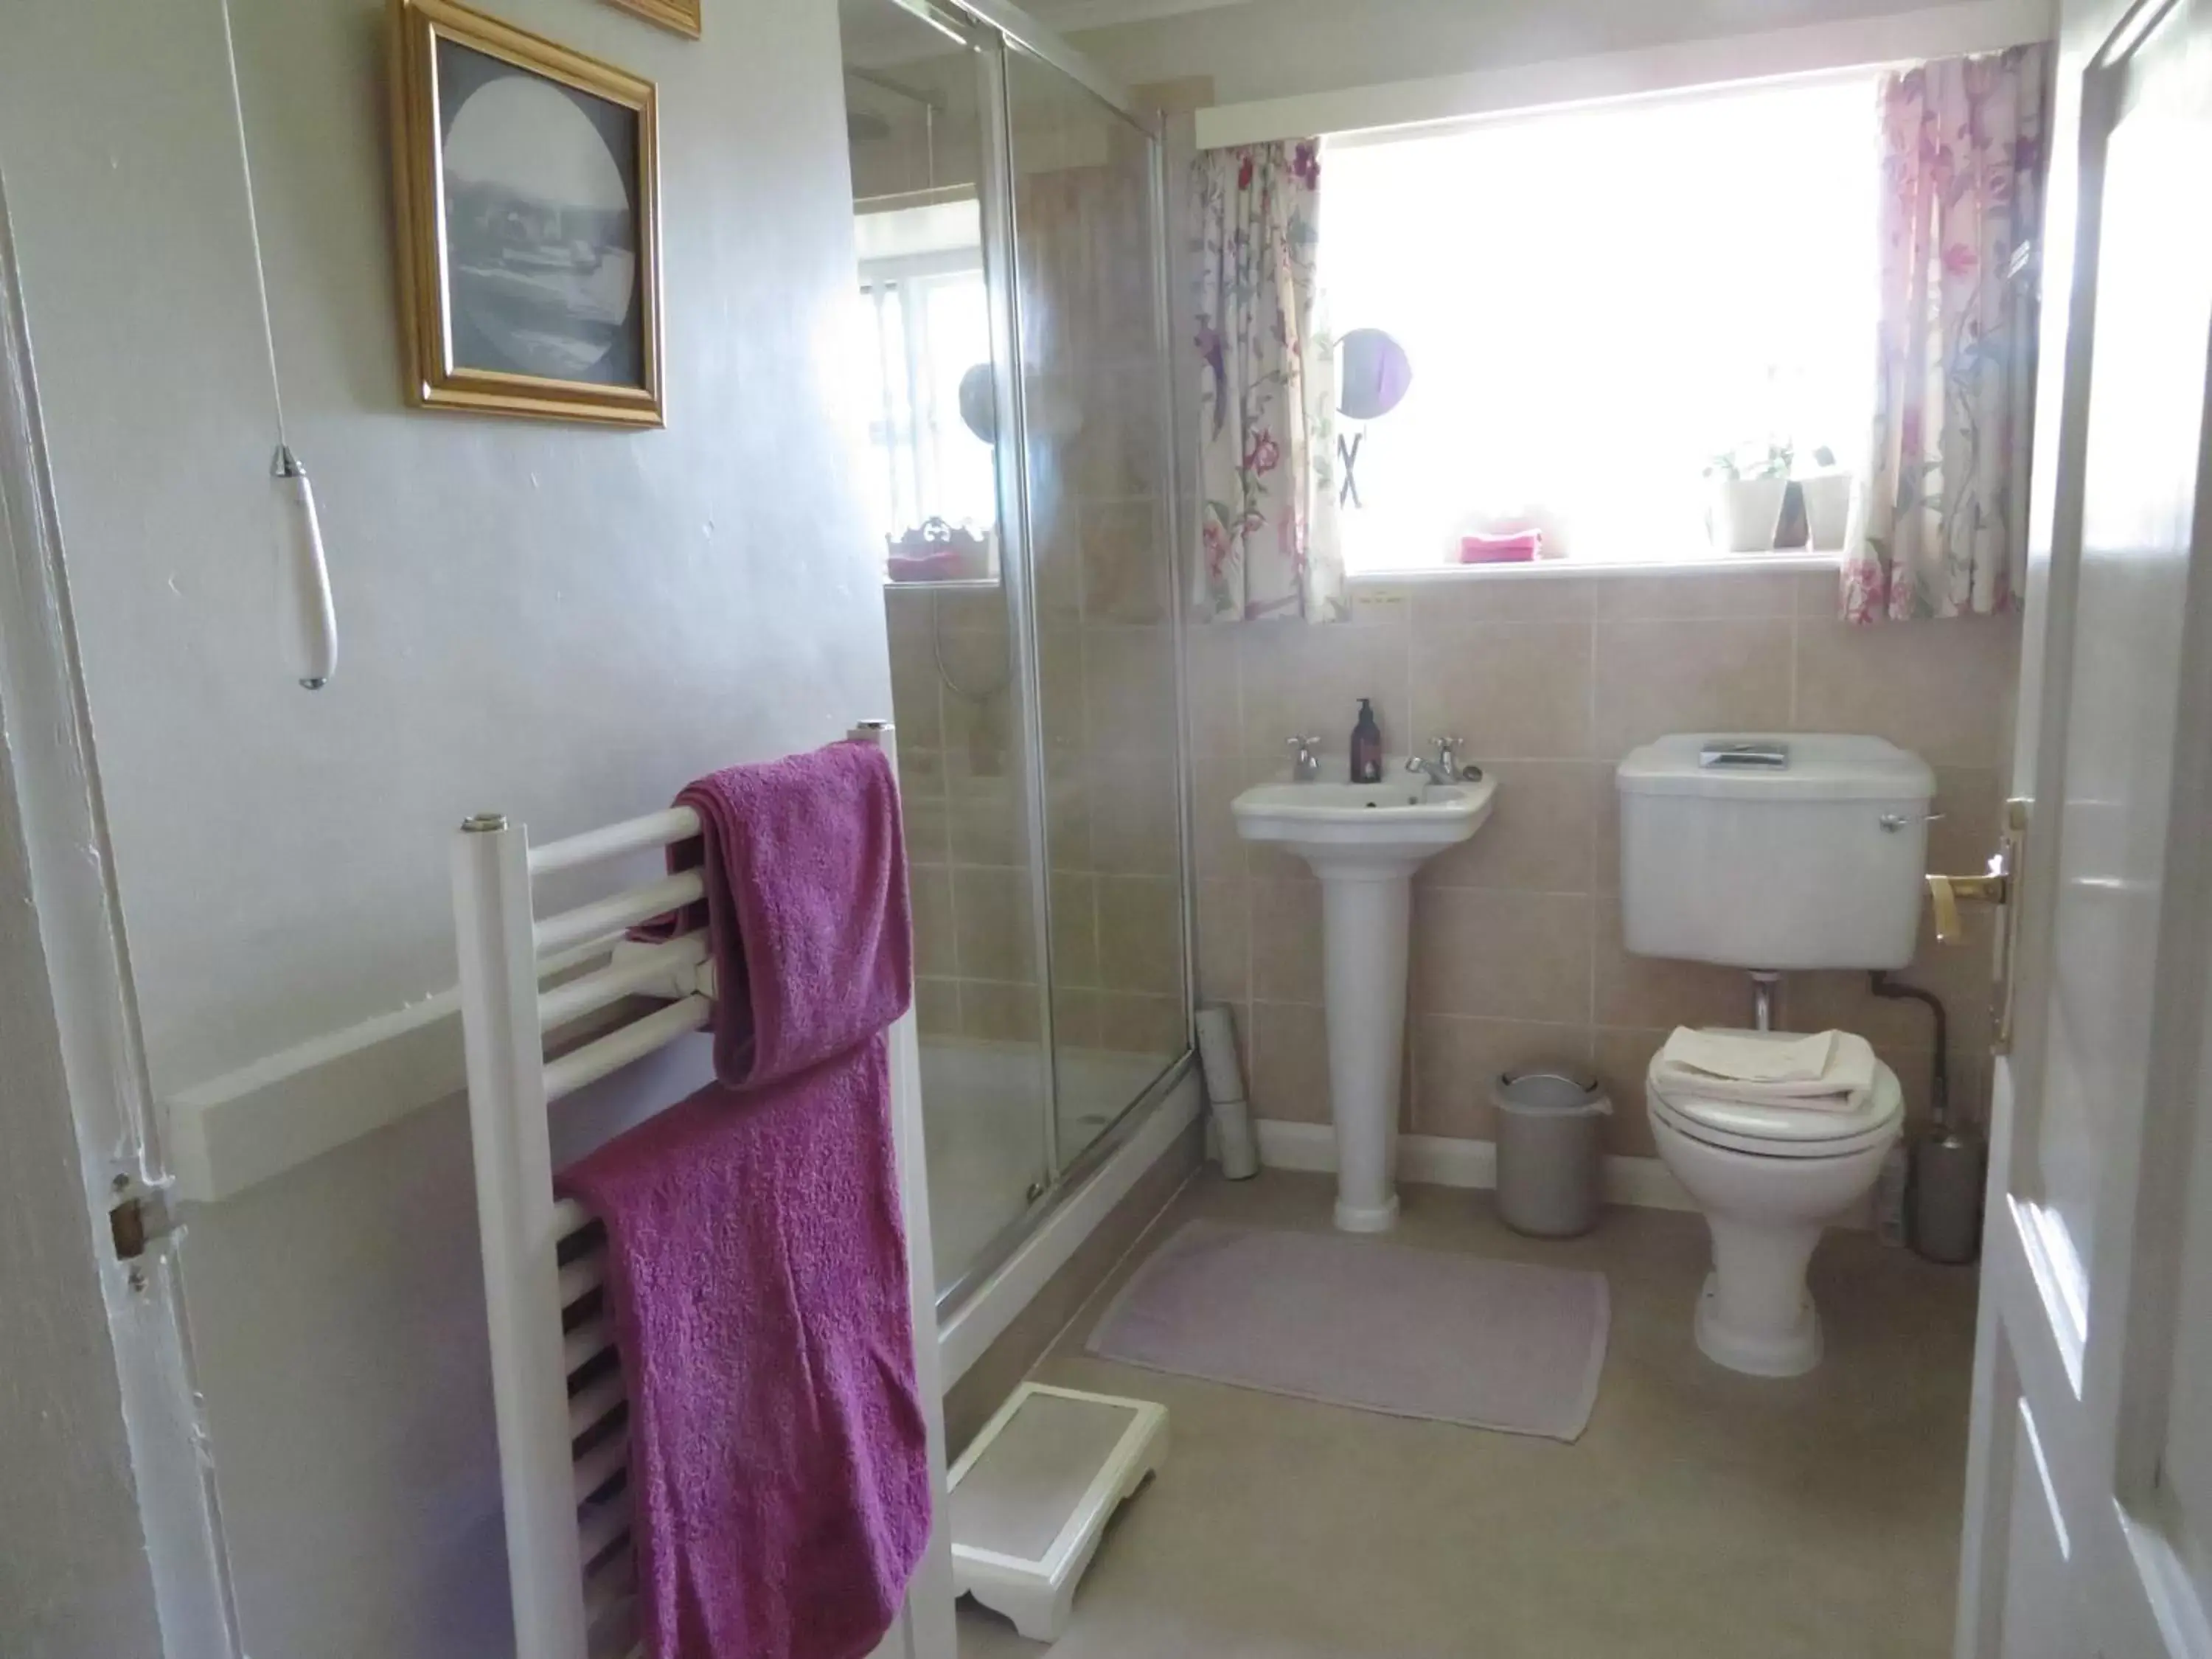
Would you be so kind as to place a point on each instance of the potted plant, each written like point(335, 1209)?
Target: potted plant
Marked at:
point(1744, 490)
point(1827, 495)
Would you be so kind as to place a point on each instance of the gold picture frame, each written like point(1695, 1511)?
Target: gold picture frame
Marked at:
point(679, 16)
point(526, 181)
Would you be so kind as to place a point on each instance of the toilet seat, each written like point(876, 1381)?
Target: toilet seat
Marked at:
point(1783, 1132)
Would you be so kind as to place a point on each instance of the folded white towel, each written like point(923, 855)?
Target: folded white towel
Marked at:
point(1829, 1071)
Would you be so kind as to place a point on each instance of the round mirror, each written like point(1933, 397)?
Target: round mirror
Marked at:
point(1373, 373)
point(979, 403)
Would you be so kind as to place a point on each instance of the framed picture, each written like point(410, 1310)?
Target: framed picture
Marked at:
point(681, 15)
point(529, 222)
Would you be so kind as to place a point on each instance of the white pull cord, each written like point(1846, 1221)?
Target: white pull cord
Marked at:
point(306, 616)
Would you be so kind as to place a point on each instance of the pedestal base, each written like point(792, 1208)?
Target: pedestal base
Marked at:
point(1366, 917)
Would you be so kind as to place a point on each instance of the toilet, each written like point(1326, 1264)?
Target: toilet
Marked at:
point(1771, 853)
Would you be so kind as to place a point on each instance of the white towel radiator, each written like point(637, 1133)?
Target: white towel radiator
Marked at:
point(563, 1451)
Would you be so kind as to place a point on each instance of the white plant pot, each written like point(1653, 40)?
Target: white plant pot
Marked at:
point(1741, 513)
point(1828, 509)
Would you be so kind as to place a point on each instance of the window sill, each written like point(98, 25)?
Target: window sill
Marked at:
point(1546, 569)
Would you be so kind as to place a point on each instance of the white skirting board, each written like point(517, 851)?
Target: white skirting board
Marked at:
point(1439, 1161)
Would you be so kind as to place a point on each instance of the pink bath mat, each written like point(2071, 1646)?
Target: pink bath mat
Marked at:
point(1352, 1321)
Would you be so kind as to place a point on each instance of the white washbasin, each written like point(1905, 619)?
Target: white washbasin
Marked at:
point(1365, 841)
point(1403, 820)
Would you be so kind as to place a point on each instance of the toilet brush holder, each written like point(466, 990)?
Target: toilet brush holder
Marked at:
point(1948, 1167)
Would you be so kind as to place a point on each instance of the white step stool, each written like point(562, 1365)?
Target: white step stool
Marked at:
point(1032, 1495)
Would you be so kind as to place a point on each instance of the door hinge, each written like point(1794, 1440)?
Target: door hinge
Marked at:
point(138, 1217)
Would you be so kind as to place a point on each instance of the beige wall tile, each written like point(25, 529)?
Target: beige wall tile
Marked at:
point(991, 1012)
point(1512, 691)
point(1441, 609)
point(1539, 836)
point(1286, 941)
point(1820, 594)
point(1075, 1018)
point(1136, 1024)
point(921, 769)
point(1300, 677)
point(993, 923)
point(1139, 931)
point(1074, 929)
point(1287, 1074)
point(930, 888)
point(1653, 678)
point(1124, 577)
point(1056, 543)
point(1456, 1062)
point(1128, 688)
point(1971, 801)
point(979, 737)
point(915, 690)
point(1067, 810)
point(1697, 594)
point(984, 817)
point(973, 611)
point(1134, 829)
point(1215, 782)
point(1605, 811)
point(908, 612)
point(1502, 955)
point(1385, 605)
point(1939, 688)
point(1659, 990)
point(1225, 939)
point(1061, 710)
point(922, 820)
point(1217, 720)
point(1621, 1058)
point(937, 1006)
point(1959, 974)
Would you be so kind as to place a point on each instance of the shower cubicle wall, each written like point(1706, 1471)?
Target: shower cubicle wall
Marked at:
point(1011, 284)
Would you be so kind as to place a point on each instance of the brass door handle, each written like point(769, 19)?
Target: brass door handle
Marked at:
point(1946, 893)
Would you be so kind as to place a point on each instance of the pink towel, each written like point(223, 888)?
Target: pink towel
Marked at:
point(806, 906)
point(756, 1264)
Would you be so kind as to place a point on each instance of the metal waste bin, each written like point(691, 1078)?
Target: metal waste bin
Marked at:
point(1550, 1127)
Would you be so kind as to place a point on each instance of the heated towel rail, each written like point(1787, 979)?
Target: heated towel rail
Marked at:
point(557, 1389)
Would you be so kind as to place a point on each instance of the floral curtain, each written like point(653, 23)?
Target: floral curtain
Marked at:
point(1940, 525)
point(1267, 507)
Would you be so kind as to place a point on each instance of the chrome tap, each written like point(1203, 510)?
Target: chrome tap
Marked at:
point(1445, 768)
point(1306, 766)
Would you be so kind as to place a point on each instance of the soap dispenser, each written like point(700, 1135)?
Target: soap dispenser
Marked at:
point(1366, 746)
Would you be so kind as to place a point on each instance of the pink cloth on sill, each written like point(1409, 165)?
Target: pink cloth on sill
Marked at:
point(1515, 547)
point(756, 1259)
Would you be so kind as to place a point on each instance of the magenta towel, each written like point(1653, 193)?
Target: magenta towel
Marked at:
point(756, 1262)
point(806, 906)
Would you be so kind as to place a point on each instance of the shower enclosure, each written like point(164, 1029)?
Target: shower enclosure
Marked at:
point(1008, 221)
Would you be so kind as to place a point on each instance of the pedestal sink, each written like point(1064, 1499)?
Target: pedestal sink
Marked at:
point(1365, 841)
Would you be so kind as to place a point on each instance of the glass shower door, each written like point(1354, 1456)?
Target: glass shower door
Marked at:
point(1094, 458)
point(920, 118)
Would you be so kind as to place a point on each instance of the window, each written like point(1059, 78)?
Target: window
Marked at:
point(928, 326)
point(1596, 303)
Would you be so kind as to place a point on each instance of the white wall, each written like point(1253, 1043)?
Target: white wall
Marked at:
point(559, 622)
point(1275, 48)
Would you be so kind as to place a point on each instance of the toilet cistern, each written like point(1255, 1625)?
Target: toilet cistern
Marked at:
point(1365, 841)
point(1771, 851)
